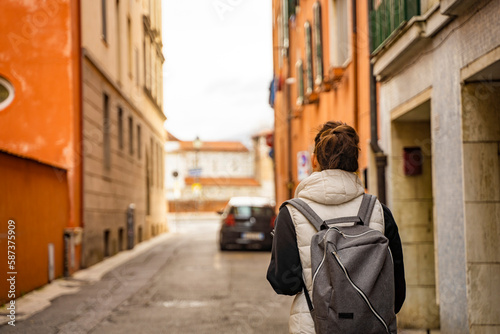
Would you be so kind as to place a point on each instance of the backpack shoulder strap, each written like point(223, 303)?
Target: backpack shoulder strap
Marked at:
point(306, 210)
point(366, 208)
point(363, 216)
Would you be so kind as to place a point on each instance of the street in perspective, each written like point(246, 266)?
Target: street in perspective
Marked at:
point(181, 284)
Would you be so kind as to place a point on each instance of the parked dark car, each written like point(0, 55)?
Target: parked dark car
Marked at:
point(247, 222)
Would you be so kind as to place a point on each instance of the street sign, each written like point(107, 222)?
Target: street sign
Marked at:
point(303, 165)
point(194, 172)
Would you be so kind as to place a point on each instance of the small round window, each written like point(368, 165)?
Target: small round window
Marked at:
point(6, 93)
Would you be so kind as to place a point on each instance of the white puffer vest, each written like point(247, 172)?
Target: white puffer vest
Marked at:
point(331, 193)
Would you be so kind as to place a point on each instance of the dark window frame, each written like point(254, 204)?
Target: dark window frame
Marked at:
point(130, 135)
point(104, 30)
point(106, 131)
point(120, 128)
point(139, 151)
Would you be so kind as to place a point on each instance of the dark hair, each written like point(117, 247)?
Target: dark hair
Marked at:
point(336, 147)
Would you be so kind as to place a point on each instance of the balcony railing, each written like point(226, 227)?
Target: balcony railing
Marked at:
point(388, 16)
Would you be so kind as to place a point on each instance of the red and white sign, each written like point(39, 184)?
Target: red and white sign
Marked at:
point(303, 165)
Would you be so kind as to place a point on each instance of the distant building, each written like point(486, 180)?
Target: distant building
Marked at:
point(264, 163)
point(81, 133)
point(203, 176)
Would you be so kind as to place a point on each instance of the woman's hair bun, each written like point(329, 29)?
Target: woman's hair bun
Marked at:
point(336, 147)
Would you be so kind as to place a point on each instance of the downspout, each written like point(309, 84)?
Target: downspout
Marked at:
point(355, 64)
point(380, 157)
point(290, 184)
point(80, 105)
point(80, 134)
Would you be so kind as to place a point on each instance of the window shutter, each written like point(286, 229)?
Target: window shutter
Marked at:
point(300, 82)
point(309, 71)
point(318, 45)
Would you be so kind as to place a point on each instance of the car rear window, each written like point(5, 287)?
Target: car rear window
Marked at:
point(251, 211)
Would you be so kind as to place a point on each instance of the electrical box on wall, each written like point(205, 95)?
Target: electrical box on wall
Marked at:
point(413, 161)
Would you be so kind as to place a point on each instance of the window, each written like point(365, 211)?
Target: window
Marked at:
point(137, 67)
point(340, 48)
point(130, 135)
point(6, 93)
point(280, 41)
point(152, 64)
point(118, 42)
point(152, 155)
point(103, 22)
point(120, 128)
point(106, 126)
point(309, 64)
point(318, 45)
point(120, 239)
point(285, 16)
point(157, 152)
point(106, 243)
point(162, 166)
point(129, 46)
point(300, 82)
point(139, 141)
point(147, 62)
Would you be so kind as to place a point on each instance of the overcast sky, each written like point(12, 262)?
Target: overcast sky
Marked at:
point(218, 65)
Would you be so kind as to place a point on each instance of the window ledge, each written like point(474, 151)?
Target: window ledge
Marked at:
point(406, 41)
point(333, 78)
point(311, 98)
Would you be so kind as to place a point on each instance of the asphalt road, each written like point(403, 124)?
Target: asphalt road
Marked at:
point(183, 285)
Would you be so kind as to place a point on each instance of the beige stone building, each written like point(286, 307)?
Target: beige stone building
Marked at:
point(123, 135)
point(437, 64)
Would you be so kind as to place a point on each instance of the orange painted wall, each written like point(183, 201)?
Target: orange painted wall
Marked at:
point(35, 197)
point(338, 103)
point(40, 56)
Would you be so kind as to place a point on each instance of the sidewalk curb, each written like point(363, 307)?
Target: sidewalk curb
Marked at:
point(39, 299)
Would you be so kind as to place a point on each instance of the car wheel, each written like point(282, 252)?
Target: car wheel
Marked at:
point(222, 247)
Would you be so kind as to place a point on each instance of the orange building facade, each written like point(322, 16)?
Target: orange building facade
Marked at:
point(321, 73)
point(81, 135)
point(40, 129)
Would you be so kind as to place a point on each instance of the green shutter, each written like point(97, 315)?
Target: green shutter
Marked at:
point(388, 17)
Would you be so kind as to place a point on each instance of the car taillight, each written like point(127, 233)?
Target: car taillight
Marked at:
point(273, 218)
point(229, 221)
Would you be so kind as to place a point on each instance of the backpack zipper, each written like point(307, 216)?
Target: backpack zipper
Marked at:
point(322, 260)
point(360, 291)
point(351, 235)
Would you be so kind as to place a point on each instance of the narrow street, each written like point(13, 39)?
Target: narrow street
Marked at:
point(182, 285)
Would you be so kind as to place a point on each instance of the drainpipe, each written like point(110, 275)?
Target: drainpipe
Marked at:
point(355, 63)
point(380, 157)
point(290, 184)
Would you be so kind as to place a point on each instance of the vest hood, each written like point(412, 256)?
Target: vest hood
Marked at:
point(330, 186)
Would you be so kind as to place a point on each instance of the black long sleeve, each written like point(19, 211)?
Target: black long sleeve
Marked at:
point(285, 270)
point(391, 232)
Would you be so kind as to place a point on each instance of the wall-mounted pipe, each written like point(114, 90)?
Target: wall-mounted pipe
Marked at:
point(380, 157)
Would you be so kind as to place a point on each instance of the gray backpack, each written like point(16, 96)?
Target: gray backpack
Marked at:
point(353, 274)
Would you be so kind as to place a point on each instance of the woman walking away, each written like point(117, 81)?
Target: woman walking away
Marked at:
point(333, 190)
